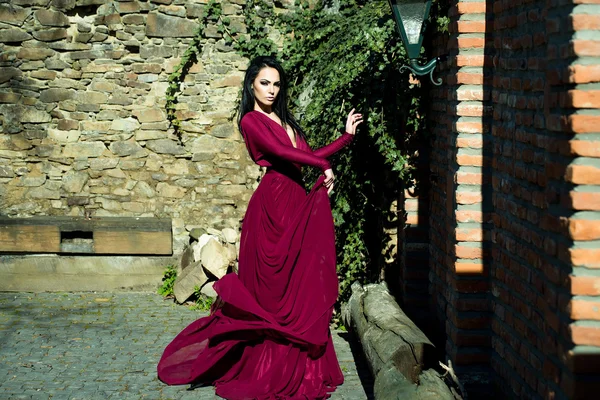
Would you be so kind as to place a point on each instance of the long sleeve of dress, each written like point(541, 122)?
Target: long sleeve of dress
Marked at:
point(335, 146)
point(260, 140)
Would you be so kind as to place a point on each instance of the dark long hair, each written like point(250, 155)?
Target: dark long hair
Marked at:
point(280, 106)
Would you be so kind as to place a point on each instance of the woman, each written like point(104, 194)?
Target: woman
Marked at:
point(270, 337)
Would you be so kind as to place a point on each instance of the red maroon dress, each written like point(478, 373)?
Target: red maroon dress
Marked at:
point(271, 338)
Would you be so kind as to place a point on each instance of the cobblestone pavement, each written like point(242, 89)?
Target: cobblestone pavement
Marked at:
point(106, 346)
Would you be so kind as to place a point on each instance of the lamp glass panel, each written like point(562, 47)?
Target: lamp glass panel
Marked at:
point(412, 14)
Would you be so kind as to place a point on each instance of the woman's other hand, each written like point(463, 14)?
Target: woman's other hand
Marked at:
point(354, 119)
point(329, 178)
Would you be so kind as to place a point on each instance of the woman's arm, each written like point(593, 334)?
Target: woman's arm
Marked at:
point(259, 138)
point(353, 120)
point(335, 146)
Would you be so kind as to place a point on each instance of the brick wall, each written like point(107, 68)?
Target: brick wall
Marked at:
point(515, 230)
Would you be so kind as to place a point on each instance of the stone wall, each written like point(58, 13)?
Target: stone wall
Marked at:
point(83, 126)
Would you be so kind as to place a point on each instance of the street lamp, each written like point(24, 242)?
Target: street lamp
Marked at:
point(409, 16)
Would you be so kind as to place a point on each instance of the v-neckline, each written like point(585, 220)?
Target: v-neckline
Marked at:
point(281, 127)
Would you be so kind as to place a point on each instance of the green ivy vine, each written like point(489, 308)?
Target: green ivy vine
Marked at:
point(339, 55)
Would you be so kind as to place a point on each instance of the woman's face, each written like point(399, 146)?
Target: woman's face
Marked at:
point(266, 87)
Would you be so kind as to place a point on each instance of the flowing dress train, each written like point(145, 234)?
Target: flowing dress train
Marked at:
point(270, 339)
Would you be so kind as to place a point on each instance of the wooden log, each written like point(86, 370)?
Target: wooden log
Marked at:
point(104, 235)
point(131, 242)
point(395, 348)
point(72, 224)
point(29, 239)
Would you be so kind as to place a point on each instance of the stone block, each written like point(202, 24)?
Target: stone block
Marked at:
point(150, 115)
point(35, 53)
point(9, 97)
point(73, 181)
point(56, 94)
point(14, 35)
point(103, 163)
point(44, 74)
point(149, 135)
point(169, 191)
point(15, 113)
point(6, 171)
point(157, 51)
point(230, 235)
point(215, 258)
point(160, 25)
point(143, 189)
point(176, 11)
point(84, 149)
point(56, 63)
point(179, 167)
point(126, 148)
point(13, 15)
point(229, 81)
point(128, 7)
point(7, 73)
point(223, 131)
point(190, 278)
point(133, 19)
point(51, 18)
point(165, 146)
point(63, 4)
point(43, 193)
point(125, 124)
point(50, 35)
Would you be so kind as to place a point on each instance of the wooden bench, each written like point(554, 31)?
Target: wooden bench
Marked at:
point(96, 235)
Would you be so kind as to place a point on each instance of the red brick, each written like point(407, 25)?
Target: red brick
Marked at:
point(583, 229)
point(582, 201)
point(469, 234)
point(471, 26)
point(585, 336)
point(584, 148)
point(469, 178)
point(583, 73)
point(580, 99)
point(471, 7)
point(469, 197)
point(583, 309)
point(411, 205)
point(469, 127)
point(470, 110)
point(584, 48)
point(573, 123)
point(585, 257)
point(581, 22)
point(469, 160)
point(583, 175)
point(412, 219)
point(584, 285)
point(468, 42)
point(469, 216)
point(480, 60)
point(464, 78)
point(470, 269)
point(474, 94)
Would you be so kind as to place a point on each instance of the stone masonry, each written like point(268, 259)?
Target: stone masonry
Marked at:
point(83, 130)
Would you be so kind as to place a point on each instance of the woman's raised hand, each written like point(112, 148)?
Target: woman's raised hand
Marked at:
point(354, 119)
point(329, 178)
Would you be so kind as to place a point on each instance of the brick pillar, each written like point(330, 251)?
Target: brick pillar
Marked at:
point(459, 281)
point(572, 113)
